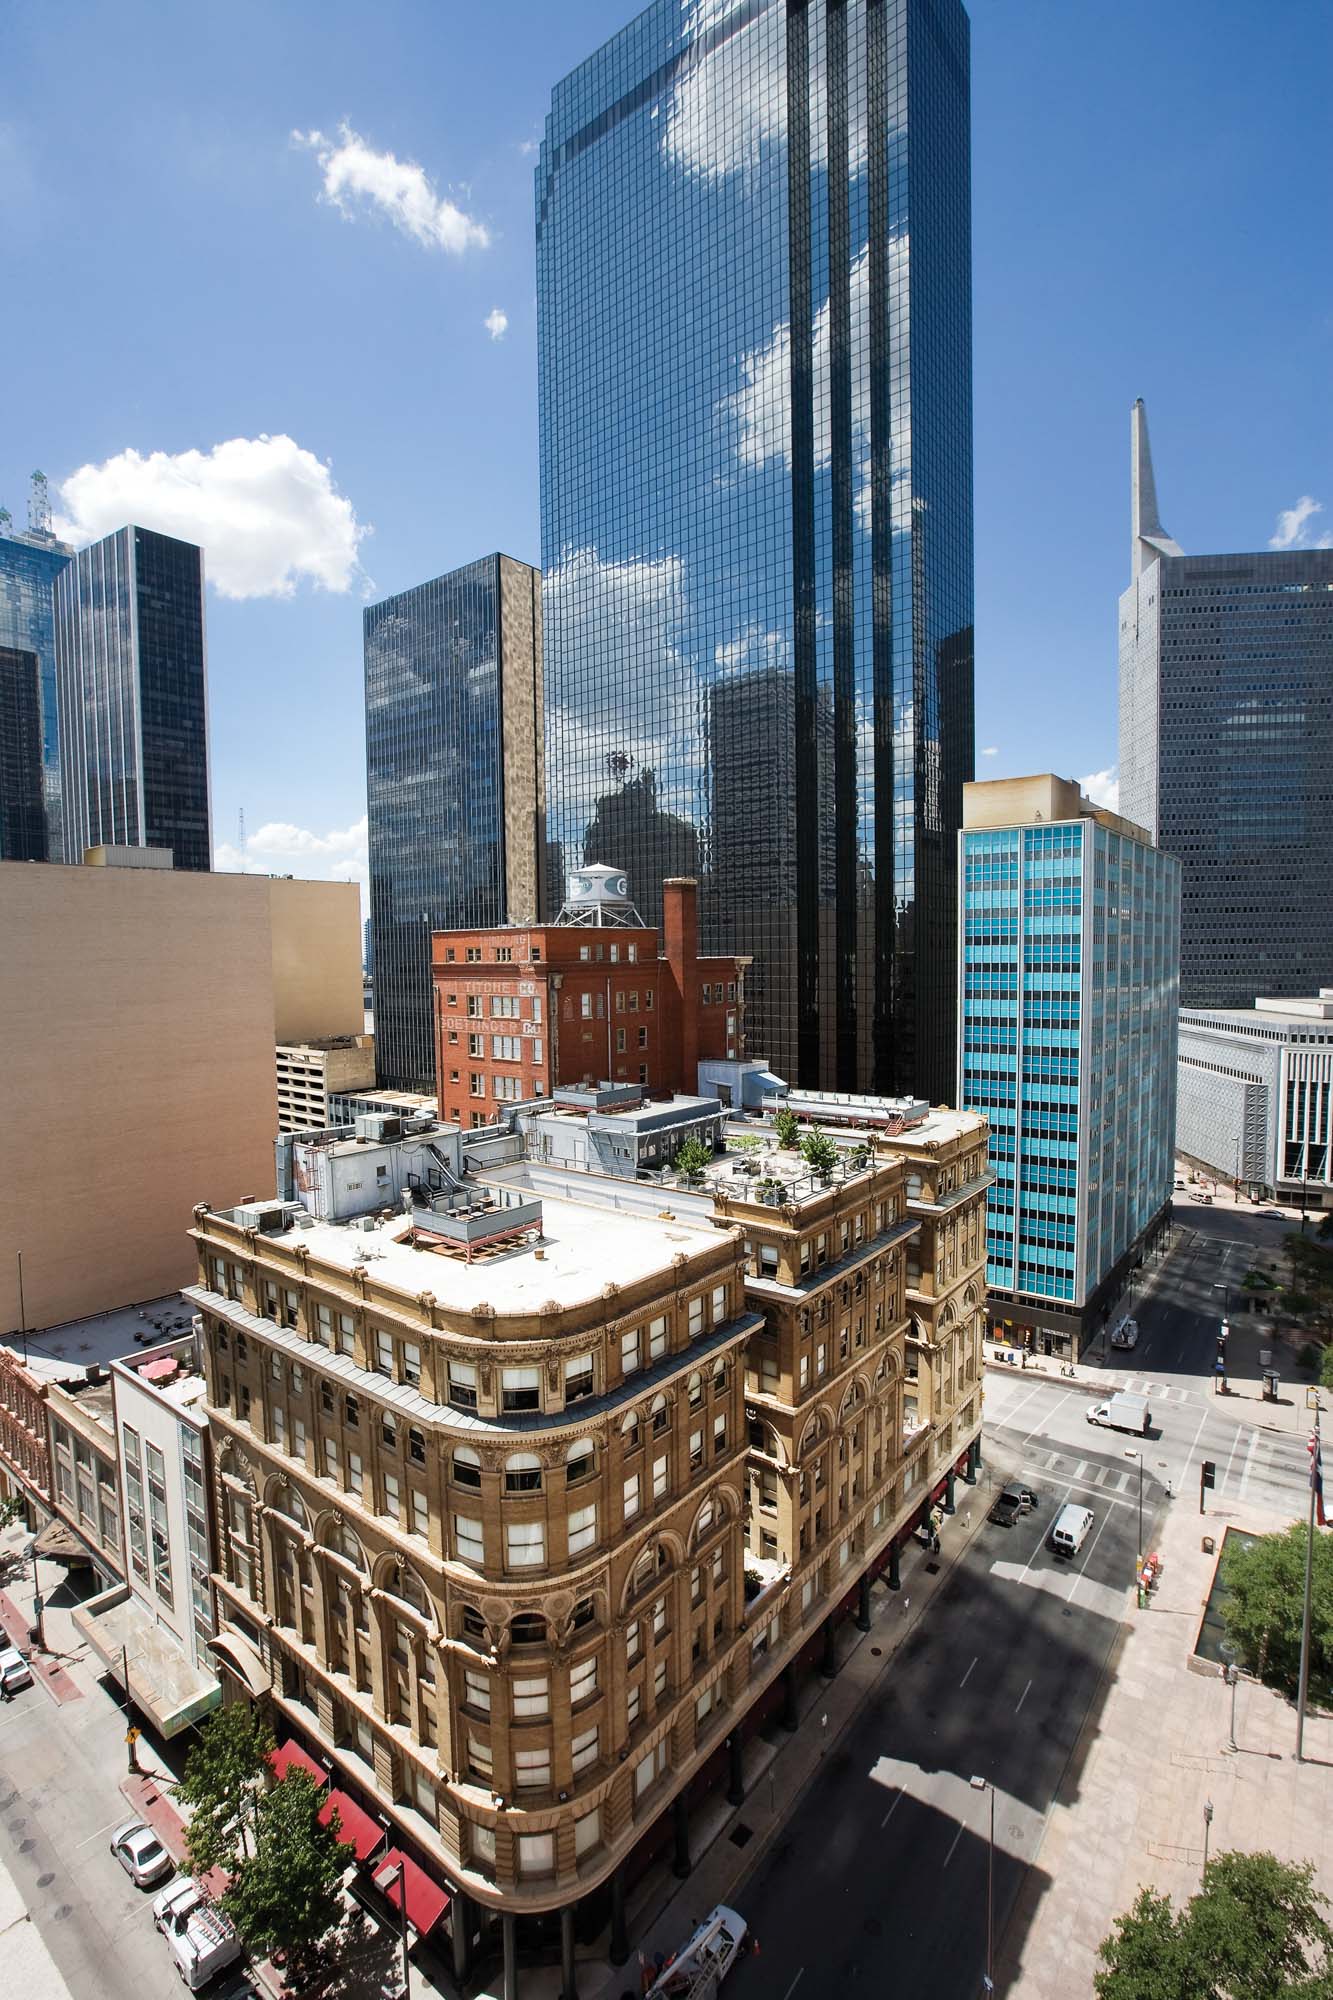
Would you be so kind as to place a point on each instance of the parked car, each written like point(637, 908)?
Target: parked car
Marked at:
point(1126, 1334)
point(15, 1673)
point(1013, 1503)
point(140, 1853)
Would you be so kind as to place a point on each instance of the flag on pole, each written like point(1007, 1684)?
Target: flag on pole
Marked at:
point(1317, 1477)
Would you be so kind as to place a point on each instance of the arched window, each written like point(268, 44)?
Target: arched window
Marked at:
point(659, 1413)
point(630, 1432)
point(289, 1502)
point(409, 1587)
point(707, 1515)
point(523, 1472)
point(345, 1542)
point(696, 1389)
point(580, 1458)
point(466, 1466)
point(527, 1628)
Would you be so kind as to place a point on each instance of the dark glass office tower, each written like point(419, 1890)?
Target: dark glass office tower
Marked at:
point(130, 667)
point(754, 302)
point(454, 783)
point(1226, 744)
point(29, 566)
point(22, 809)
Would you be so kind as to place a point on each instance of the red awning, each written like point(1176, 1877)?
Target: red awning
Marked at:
point(357, 1829)
point(290, 1753)
point(426, 1900)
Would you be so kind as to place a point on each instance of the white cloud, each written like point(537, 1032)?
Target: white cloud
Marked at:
point(281, 848)
point(356, 176)
point(1103, 788)
point(496, 323)
point(265, 512)
point(1292, 527)
point(991, 750)
point(527, 147)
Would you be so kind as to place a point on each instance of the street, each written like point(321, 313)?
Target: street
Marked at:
point(880, 1878)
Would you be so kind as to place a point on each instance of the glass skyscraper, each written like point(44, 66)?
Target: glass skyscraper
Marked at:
point(1069, 947)
point(130, 668)
point(22, 806)
point(1226, 744)
point(754, 345)
point(454, 783)
point(29, 566)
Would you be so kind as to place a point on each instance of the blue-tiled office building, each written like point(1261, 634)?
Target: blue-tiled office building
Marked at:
point(130, 668)
point(453, 783)
point(29, 566)
point(757, 501)
point(1069, 947)
point(1226, 744)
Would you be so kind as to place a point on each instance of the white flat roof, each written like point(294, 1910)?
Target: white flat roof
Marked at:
point(583, 1246)
point(59, 1352)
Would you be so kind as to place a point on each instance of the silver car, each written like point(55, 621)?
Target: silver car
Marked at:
point(140, 1853)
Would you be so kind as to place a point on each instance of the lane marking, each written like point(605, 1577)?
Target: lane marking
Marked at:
point(963, 1682)
point(1088, 1557)
point(1023, 1697)
point(1231, 1455)
point(795, 1983)
point(953, 1843)
point(891, 1811)
point(98, 1835)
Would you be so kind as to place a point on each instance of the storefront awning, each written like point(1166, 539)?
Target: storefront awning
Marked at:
point(61, 1544)
point(244, 1661)
point(356, 1829)
point(426, 1900)
point(290, 1753)
point(162, 1679)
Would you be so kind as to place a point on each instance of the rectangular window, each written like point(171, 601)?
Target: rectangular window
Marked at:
point(354, 1472)
point(532, 1768)
point(584, 1750)
point(468, 1543)
point(463, 1385)
point(578, 1377)
point(583, 1681)
point(582, 1529)
point(520, 1388)
point(633, 1702)
point(392, 1498)
point(696, 1316)
point(383, 1352)
point(536, 1852)
point(477, 1691)
point(657, 1337)
point(411, 1362)
point(532, 1697)
point(587, 1833)
point(631, 1501)
point(661, 1477)
point(632, 1643)
point(629, 1351)
point(585, 1004)
point(719, 1433)
point(620, 1041)
point(420, 1512)
point(719, 1304)
point(643, 1038)
point(525, 1544)
point(331, 1459)
point(650, 1769)
point(479, 1757)
point(659, 1618)
point(696, 1450)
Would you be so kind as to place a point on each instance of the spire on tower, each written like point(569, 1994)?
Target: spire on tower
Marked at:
point(1148, 538)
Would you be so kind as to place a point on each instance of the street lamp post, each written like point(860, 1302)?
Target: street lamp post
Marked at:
point(988, 1983)
point(1207, 1823)
point(400, 1874)
point(38, 1620)
point(1138, 1565)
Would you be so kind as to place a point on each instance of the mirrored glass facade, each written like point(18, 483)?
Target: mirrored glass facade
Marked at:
point(1226, 744)
point(28, 570)
point(130, 670)
point(754, 306)
point(22, 808)
point(453, 781)
point(1070, 941)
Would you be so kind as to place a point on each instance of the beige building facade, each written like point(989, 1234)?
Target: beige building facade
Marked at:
point(140, 1008)
point(310, 1073)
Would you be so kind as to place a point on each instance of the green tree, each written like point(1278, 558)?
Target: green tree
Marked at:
point(11, 1510)
point(692, 1156)
point(788, 1128)
point(1326, 1367)
point(1264, 1589)
point(1254, 1931)
point(226, 1775)
point(284, 1897)
point(1310, 1293)
point(820, 1153)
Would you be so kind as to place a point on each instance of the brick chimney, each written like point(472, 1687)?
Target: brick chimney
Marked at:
point(680, 929)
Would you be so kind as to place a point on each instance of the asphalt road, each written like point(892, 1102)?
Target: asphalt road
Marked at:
point(880, 1882)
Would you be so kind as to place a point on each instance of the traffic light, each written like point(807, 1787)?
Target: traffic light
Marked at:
point(1209, 1473)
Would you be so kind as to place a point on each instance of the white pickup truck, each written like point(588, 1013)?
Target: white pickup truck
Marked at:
point(200, 1938)
point(699, 1968)
point(1123, 1412)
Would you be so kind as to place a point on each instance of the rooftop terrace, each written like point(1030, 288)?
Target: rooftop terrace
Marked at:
point(64, 1353)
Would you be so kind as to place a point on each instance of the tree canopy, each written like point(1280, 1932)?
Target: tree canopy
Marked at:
point(1254, 1931)
point(225, 1775)
point(1264, 1591)
point(285, 1894)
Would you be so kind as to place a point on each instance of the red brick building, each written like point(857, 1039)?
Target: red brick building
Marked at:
point(593, 995)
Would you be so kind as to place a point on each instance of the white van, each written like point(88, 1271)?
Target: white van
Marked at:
point(1070, 1530)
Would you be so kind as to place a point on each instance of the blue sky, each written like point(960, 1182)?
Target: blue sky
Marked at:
point(1150, 218)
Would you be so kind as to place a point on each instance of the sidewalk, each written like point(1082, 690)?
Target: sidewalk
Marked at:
point(662, 1911)
point(1156, 1750)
